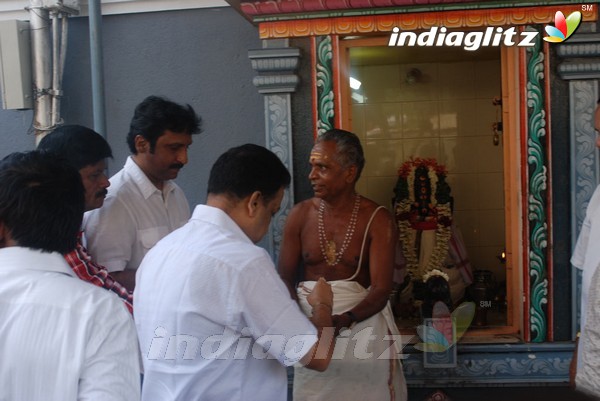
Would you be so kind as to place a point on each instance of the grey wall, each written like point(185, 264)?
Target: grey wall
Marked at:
point(193, 56)
point(16, 132)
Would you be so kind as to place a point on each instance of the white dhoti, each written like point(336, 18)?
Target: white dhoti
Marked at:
point(365, 363)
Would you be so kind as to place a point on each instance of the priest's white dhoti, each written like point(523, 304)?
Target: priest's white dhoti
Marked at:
point(366, 361)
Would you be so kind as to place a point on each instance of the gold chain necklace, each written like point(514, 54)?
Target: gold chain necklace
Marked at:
point(328, 248)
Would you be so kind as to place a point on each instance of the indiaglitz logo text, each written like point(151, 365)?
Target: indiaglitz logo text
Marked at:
point(471, 41)
point(492, 36)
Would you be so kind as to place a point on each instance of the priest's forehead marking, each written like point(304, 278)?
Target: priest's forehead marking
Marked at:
point(318, 155)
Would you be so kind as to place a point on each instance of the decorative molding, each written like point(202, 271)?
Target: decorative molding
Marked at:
point(581, 70)
point(258, 10)
point(262, 7)
point(537, 188)
point(276, 84)
point(523, 364)
point(277, 80)
point(278, 63)
point(325, 110)
point(308, 25)
point(582, 57)
point(275, 60)
point(579, 46)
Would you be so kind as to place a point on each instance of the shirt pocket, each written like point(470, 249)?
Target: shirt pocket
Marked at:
point(150, 236)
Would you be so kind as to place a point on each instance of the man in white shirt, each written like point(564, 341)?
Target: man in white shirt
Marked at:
point(87, 151)
point(143, 204)
point(214, 319)
point(61, 339)
point(586, 257)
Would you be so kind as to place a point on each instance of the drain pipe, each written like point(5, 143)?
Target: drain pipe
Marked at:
point(97, 66)
point(48, 53)
point(59, 52)
point(42, 77)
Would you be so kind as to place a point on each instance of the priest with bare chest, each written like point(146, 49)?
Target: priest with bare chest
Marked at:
point(350, 241)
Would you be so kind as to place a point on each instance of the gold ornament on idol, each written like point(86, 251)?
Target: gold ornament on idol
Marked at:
point(328, 248)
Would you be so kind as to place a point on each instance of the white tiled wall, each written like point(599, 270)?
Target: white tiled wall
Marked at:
point(447, 114)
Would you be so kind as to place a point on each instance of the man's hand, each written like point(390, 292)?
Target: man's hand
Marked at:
point(126, 278)
point(321, 294)
point(341, 323)
point(573, 366)
point(321, 301)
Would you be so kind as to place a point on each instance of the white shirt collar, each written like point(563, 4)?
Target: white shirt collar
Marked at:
point(142, 181)
point(16, 257)
point(218, 217)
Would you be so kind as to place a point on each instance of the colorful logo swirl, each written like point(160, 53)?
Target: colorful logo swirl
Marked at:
point(563, 27)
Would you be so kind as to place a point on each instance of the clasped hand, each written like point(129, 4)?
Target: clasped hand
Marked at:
point(321, 294)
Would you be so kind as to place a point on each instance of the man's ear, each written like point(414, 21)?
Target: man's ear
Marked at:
point(351, 174)
point(5, 238)
point(141, 144)
point(252, 203)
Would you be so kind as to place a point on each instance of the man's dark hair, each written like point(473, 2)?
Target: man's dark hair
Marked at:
point(41, 201)
point(349, 150)
point(155, 115)
point(79, 145)
point(244, 169)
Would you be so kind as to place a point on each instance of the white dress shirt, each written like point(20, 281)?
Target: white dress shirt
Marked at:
point(61, 338)
point(588, 367)
point(135, 215)
point(586, 257)
point(214, 319)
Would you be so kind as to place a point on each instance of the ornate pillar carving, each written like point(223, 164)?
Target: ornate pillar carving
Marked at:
point(324, 82)
point(537, 185)
point(581, 67)
point(276, 65)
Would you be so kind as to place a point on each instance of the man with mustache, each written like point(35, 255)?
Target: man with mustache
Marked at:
point(87, 151)
point(143, 203)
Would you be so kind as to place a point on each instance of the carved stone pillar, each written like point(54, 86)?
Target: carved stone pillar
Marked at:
point(581, 67)
point(276, 65)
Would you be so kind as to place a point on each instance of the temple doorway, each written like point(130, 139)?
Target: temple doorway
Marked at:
point(439, 109)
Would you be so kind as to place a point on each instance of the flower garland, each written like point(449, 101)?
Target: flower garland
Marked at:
point(434, 273)
point(422, 194)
